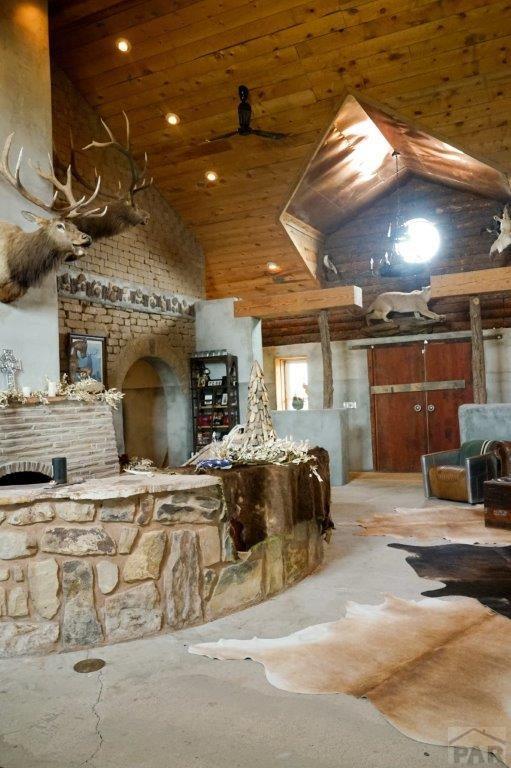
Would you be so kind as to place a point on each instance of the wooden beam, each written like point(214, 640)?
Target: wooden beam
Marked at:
point(326, 352)
point(480, 281)
point(299, 302)
point(478, 364)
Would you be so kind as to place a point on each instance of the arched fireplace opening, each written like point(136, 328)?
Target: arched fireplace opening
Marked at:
point(24, 478)
point(25, 473)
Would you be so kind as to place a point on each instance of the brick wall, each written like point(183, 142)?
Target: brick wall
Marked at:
point(162, 255)
point(82, 432)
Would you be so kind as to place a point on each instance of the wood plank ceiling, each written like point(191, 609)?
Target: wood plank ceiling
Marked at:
point(443, 64)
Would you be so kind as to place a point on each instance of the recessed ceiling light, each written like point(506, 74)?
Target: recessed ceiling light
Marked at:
point(211, 176)
point(172, 118)
point(123, 45)
point(273, 267)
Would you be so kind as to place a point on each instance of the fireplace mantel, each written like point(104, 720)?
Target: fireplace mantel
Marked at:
point(34, 401)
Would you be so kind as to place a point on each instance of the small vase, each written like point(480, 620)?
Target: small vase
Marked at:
point(297, 403)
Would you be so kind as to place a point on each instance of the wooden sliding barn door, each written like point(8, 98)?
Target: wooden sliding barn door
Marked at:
point(399, 427)
point(416, 390)
point(447, 361)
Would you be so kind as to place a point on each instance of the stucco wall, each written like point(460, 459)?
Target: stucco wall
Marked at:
point(29, 326)
point(350, 385)
point(217, 328)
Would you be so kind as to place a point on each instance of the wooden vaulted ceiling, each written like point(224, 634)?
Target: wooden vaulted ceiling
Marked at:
point(442, 64)
point(363, 155)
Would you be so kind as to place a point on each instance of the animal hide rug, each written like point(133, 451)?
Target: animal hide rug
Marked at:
point(437, 670)
point(480, 572)
point(464, 525)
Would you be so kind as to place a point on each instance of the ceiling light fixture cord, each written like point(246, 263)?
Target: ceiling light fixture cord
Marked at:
point(398, 195)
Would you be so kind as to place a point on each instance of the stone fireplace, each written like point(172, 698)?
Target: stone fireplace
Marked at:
point(34, 434)
point(126, 556)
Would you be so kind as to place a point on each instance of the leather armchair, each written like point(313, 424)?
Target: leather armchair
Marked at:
point(459, 475)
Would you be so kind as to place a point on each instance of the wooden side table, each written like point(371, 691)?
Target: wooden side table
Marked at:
point(497, 502)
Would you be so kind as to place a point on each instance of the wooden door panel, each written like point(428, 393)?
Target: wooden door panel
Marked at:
point(400, 431)
point(442, 416)
point(397, 365)
point(447, 361)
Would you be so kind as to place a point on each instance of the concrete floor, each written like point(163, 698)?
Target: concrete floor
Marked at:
point(156, 706)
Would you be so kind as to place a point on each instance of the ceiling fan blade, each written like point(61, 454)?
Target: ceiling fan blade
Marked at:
point(269, 134)
point(222, 136)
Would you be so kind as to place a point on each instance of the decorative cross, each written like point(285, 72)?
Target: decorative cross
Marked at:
point(9, 366)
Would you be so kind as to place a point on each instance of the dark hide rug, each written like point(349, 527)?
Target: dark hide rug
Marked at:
point(483, 573)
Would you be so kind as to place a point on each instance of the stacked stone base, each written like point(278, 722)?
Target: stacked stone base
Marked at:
point(123, 557)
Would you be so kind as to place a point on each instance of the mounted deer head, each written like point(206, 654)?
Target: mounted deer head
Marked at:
point(123, 212)
point(27, 257)
point(503, 241)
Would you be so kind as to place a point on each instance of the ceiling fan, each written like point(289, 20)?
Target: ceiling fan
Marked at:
point(244, 117)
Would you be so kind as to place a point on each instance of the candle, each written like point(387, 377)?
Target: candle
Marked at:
point(26, 391)
point(59, 465)
point(52, 388)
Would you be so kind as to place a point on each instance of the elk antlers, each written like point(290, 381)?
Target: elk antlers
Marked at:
point(71, 210)
point(138, 181)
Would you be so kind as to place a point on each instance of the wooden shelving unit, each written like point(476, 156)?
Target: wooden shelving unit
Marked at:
point(215, 397)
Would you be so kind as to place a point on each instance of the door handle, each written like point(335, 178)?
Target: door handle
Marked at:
point(417, 407)
point(431, 407)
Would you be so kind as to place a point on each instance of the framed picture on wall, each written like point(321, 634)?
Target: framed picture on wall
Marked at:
point(87, 357)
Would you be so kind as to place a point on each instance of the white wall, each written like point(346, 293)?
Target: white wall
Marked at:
point(351, 384)
point(30, 325)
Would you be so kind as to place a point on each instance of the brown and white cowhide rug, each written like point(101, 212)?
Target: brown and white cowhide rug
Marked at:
point(464, 525)
point(436, 669)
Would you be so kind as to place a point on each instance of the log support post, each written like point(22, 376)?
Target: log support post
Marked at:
point(326, 351)
point(478, 364)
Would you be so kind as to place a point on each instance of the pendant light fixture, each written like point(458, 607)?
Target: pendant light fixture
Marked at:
point(396, 232)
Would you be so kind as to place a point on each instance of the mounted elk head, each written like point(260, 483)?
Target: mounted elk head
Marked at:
point(123, 211)
point(27, 257)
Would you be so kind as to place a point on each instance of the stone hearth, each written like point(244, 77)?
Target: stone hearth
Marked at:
point(82, 432)
point(127, 556)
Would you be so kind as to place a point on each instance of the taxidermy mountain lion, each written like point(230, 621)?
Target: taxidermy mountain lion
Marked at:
point(395, 301)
